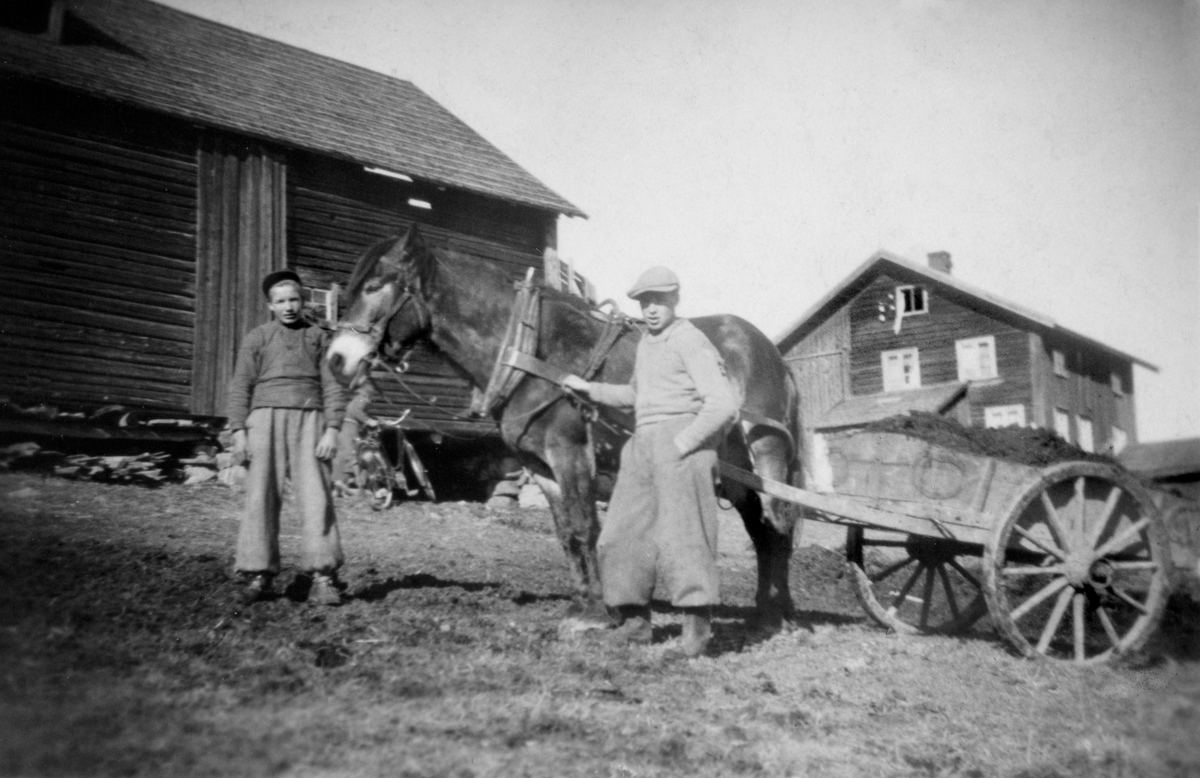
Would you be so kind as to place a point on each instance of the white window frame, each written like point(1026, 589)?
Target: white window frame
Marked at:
point(1086, 432)
point(1060, 363)
point(915, 294)
point(1118, 384)
point(1118, 440)
point(998, 416)
point(1062, 424)
point(971, 365)
point(908, 379)
point(324, 301)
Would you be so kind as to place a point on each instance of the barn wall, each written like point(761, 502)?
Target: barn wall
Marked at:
point(821, 365)
point(1087, 389)
point(336, 211)
point(934, 334)
point(242, 191)
point(97, 252)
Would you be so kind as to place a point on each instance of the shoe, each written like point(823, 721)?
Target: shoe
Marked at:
point(258, 588)
point(324, 590)
point(635, 626)
point(697, 632)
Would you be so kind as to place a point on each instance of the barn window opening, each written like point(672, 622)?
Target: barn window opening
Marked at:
point(911, 299)
point(976, 358)
point(415, 203)
point(1060, 362)
point(1118, 384)
point(1086, 441)
point(999, 416)
point(901, 369)
point(1062, 424)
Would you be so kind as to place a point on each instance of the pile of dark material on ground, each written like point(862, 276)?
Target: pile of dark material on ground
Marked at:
point(1024, 445)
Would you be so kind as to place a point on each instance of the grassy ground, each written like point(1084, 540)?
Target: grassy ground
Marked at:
point(124, 653)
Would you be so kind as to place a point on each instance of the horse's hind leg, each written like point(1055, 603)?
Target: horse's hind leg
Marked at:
point(770, 527)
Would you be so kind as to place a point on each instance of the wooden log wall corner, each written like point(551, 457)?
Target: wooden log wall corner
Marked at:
point(241, 236)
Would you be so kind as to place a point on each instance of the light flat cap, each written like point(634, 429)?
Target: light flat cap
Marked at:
point(656, 279)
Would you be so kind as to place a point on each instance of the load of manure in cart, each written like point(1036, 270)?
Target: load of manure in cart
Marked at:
point(1024, 445)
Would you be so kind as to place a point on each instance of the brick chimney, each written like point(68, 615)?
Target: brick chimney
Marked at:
point(940, 261)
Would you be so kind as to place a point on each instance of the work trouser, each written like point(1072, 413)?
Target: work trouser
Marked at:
point(282, 442)
point(662, 522)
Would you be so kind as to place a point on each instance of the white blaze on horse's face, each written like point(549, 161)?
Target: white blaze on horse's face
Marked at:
point(355, 340)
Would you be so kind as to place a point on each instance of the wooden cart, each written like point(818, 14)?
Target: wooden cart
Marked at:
point(1070, 560)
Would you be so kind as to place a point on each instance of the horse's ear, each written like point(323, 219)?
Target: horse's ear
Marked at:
point(414, 241)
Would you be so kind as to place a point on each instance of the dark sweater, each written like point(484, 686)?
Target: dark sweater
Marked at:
point(284, 367)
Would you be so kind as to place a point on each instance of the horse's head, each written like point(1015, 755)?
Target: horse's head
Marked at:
point(388, 295)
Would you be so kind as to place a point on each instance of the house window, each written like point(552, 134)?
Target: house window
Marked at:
point(976, 358)
point(323, 303)
point(1062, 424)
point(1086, 441)
point(1119, 440)
point(1060, 363)
point(996, 416)
point(901, 369)
point(1118, 384)
point(911, 299)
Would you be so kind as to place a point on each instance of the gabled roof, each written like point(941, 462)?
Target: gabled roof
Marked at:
point(854, 411)
point(154, 57)
point(1163, 459)
point(886, 263)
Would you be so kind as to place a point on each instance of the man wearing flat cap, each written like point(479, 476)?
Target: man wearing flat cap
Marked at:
point(285, 408)
point(661, 525)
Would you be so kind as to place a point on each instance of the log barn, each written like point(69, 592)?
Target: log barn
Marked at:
point(897, 336)
point(154, 165)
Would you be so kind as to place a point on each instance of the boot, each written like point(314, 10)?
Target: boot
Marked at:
point(324, 590)
point(697, 631)
point(258, 587)
point(635, 626)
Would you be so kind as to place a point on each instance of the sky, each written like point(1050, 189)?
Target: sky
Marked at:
point(765, 148)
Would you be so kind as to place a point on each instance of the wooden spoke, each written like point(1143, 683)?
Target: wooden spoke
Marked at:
point(1053, 551)
point(951, 600)
point(1045, 592)
point(1110, 505)
point(966, 574)
point(1060, 607)
point(1031, 570)
point(1081, 514)
point(1126, 538)
point(1077, 618)
point(898, 600)
point(927, 597)
point(1141, 564)
point(1129, 600)
point(885, 543)
point(892, 568)
point(1053, 522)
point(975, 611)
point(1109, 629)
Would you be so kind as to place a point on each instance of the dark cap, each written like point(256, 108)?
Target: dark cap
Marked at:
point(656, 279)
point(277, 277)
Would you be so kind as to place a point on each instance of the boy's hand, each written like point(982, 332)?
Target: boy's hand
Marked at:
point(239, 447)
point(327, 445)
point(577, 384)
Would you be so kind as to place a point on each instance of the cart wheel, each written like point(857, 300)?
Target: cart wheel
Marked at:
point(1085, 539)
point(911, 583)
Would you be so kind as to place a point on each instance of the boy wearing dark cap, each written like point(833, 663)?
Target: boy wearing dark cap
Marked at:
point(662, 519)
point(285, 408)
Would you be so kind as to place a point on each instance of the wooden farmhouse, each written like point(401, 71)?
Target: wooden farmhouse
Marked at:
point(896, 336)
point(155, 165)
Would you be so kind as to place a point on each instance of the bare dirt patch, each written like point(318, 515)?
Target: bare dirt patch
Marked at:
point(125, 653)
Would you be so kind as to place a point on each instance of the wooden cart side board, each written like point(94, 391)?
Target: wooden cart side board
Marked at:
point(914, 518)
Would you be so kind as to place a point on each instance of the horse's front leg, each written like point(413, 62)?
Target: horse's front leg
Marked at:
point(571, 493)
point(770, 525)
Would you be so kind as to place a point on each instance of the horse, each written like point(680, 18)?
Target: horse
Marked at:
point(402, 291)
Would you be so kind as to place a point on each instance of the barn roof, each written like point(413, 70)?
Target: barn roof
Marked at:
point(886, 263)
point(1163, 459)
point(154, 57)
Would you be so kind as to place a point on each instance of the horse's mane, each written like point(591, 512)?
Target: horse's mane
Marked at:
point(366, 263)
